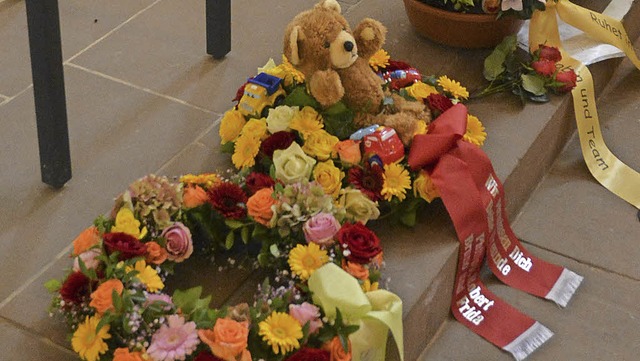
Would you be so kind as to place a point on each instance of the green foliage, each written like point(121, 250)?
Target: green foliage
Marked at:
point(53, 285)
point(299, 97)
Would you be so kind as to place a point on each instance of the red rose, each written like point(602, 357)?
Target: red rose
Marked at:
point(310, 354)
point(438, 102)
point(228, 199)
point(360, 242)
point(277, 140)
point(128, 245)
point(206, 356)
point(568, 78)
point(549, 53)
point(75, 288)
point(256, 181)
point(544, 67)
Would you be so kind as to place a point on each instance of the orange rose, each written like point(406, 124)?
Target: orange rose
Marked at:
point(123, 354)
point(101, 298)
point(259, 206)
point(355, 269)
point(194, 196)
point(85, 240)
point(227, 339)
point(337, 352)
point(156, 254)
point(349, 151)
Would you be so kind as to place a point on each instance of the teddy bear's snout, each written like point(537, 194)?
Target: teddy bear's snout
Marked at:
point(348, 45)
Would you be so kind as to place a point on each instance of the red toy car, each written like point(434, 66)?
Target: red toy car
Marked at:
point(384, 143)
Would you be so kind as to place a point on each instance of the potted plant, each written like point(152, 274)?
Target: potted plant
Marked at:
point(469, 23)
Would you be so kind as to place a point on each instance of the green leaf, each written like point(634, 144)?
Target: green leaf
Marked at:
point(494, 64)
point(300, 97)
point(274, 250)
point(534, 84)
point(233, 224)
point(228, 243)
point(105, 320)
point(117, 301)
point(53, 285)
point(244, 233)
point(336, 109)
point(263, 259)
point(186, 300)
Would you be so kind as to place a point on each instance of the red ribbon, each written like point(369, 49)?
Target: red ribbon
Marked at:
point(473, 196)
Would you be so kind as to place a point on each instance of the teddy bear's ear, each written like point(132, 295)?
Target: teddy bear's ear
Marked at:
point(331, 5)
point(295, 36)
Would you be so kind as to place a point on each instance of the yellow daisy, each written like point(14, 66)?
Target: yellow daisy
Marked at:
point(305, 259)
point(475, 131)
point(281, 331)
point(306, 121)
point(206, 179)
point(88, 343)
point(420, 90)
point(147, 276)
point(396, 181)
point(453, 87)
point(379, 60)
point(245, 152)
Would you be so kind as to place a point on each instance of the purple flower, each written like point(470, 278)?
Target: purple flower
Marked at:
point(174, 340)
point(321, 228)
point(179, 244)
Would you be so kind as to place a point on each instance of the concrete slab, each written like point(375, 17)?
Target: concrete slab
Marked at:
point(18, 344)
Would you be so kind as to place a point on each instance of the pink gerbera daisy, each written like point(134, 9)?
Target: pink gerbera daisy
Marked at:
point(174, 340)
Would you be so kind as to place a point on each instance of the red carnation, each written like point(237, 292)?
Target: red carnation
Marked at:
point(568, 78)
point(368, 180)
point(256, 181)
point(439, 103)
point(360, 242)
point(228, 199)
point(277, 140)
point(550, 53)
point(310, 354)
point(544, 67)
point(128, 245)
point(206, 356)
point(75, 288)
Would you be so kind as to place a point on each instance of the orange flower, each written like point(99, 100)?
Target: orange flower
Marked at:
point(228, 339)
point(349, 151)
point(123, 354)
point(85, 240)
point(156, 254)
point(101, 298)
point(355, 269)
point(194, 196)
point(259, 206)
point(337, 352)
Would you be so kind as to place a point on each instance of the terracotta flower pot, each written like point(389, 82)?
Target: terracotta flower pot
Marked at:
point(459, 29)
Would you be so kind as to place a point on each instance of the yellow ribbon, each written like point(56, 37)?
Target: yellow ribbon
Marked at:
point(610, 171)
point(376, 312)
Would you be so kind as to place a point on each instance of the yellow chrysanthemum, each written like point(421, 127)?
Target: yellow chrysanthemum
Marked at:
point(88, 343)
point(306, 121)
point(292, 73)
point(305, 259)
point(147, 276)
point(396, 181)
point(256, 128)
point(245, 152)
point(424, 187)
point(475, 131)
point(379, 60)
point(230, 126)
point(420, 90)
point(205, 179)
point(453, 87)
point(281, 331)
point(126, 222)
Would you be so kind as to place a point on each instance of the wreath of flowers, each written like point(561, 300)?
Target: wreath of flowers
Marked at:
point(300, 198)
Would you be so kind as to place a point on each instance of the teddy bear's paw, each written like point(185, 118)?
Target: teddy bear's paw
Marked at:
point(326, 87)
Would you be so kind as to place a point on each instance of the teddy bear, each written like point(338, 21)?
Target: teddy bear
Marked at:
point(334, 60)
point(335, 63)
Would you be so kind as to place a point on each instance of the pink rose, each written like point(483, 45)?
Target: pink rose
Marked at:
point(568, 78)
point(89, 258)
point(321, 228)
point(179, 244)
point(306, 312)
point(161, 297)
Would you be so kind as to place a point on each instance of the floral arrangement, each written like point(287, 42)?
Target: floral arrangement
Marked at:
point(520, 8)
point(298, 206)
point(531, 76)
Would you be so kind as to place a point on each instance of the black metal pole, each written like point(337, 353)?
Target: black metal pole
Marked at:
point(218, 18)
point(48, 89)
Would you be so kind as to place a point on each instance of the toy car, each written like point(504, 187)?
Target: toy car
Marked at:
point(401, 78)
point(384, 143)
point(261, 92)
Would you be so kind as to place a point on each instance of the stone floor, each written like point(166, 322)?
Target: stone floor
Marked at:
point(143, 97)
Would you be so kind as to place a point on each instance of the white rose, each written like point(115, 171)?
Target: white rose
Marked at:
point(358, 207)
point(292, 165)
point(280, 117)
